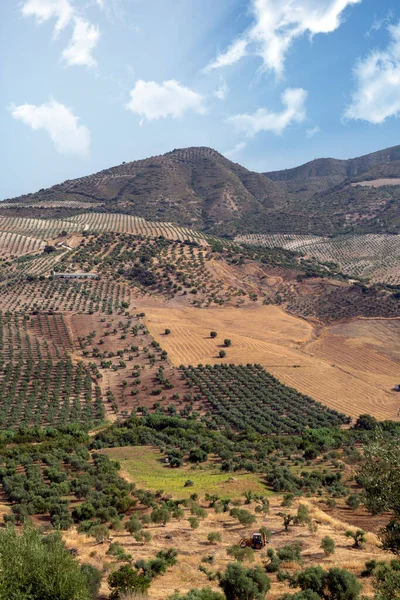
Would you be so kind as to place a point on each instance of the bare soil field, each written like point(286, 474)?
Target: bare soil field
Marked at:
point(378, 182)
point(350, 367)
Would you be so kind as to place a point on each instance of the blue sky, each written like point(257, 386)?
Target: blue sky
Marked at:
point(87, 84)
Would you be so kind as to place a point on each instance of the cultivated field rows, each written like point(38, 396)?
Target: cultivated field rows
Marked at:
point(63, 295)
point(47, 229)
point(39, 382)
point(372, 256)
point(14, 244)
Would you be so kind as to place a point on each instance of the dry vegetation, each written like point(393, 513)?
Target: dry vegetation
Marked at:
point(192, 546)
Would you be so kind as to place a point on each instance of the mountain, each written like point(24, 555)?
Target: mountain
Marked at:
point(200, 188)
point(340, 195)
point(195, 187)
point(323, 174)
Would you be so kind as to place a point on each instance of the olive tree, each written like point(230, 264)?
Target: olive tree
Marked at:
point(239, 583)
point(380, 478)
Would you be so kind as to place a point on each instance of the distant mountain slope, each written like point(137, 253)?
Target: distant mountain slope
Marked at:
point(324, 189)
point(200, 188)
point(324, 173)
point(193, 187)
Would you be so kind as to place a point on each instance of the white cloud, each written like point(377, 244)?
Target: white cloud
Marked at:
point(84, 39)
point(232, 152)
point(222, 91)
point(377, 94)
point(84, 35)
point(293, 100)
point(379, 23)
point(153, 100)
point(235, 52)
point(44, 10)
point(277, 23)
point(312, 131)
point(60, 123)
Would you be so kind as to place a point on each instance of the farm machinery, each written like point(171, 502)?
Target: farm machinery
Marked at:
point(257, 541)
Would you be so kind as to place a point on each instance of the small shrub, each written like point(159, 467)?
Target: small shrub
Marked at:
point(241, 554)
point(194, 522)
point(328, 545)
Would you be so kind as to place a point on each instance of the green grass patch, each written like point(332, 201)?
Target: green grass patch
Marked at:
point(143, 466)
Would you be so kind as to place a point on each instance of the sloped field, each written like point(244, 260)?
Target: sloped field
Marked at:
point(372, 256)
point(353, 373)
point(136, 225)
point(47, 229)
point(15, 244)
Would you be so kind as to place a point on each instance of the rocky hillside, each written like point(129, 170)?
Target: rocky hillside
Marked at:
point(333, 193)
point(200, 188)
point(195, 187)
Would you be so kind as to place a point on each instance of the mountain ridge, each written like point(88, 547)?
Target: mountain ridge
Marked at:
point(200, 188)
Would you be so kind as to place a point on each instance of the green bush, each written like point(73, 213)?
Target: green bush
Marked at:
point(290, 552)
point(127, 579)
point(241, 554)
point(160, 515)
point(37, 568)
point(357, 536)
point(328, 545)
point(387, 581)
point(214, 537)
point(243, 516)
point(194, 522)
point(93, 580)
point(239, 583)
point(353, 501)
point(133, 525)
point(335, 584)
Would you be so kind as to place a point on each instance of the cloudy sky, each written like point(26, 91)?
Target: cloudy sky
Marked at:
point(87, 84)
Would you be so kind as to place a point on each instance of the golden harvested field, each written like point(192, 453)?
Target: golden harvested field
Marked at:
point(350, 367)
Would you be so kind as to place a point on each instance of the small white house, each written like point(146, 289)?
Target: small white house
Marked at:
point(75, 275)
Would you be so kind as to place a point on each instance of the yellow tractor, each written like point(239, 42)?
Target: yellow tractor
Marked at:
point(257, 541)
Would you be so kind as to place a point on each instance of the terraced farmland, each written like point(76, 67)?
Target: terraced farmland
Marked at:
point(371, 256)
point(135, 225)
point(43, 229)
point(47, 229)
